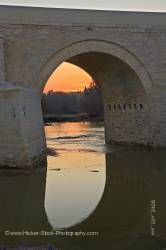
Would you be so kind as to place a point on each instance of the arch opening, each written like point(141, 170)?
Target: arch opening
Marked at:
point(124, 85)
point(71, 94)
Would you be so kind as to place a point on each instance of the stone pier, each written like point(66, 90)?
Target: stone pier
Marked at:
point(22, 140)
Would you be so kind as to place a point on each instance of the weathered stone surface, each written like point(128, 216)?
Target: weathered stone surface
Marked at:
point(2, 60)
point(22, 143)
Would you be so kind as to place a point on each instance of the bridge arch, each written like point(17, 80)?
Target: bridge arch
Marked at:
point(126, 86)
point(93, 46)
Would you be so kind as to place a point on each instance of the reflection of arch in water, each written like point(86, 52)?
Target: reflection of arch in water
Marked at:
point(121, 217)
point(74, 194)
point(134, 178)
point(124, 200)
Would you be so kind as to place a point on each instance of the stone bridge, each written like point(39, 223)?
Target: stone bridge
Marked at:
point(124, 52)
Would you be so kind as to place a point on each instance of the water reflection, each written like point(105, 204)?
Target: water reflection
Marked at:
point(122, 216)
point(73, 194)
point(76, 177)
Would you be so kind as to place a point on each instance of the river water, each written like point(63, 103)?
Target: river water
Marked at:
point(92, 196)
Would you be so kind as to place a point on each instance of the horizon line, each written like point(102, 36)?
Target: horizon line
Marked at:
point(85, 8)
point(66, 91)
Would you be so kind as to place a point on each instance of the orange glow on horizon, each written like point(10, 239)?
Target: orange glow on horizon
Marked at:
point(68, 78)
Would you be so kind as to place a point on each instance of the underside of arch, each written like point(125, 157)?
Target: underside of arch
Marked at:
point(110, 50)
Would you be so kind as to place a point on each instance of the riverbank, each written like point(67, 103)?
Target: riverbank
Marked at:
point(70, 118)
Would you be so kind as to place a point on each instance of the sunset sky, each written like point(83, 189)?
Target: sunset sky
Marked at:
point(68, 77)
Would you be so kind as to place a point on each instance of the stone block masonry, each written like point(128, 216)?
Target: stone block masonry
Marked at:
point(22, 140)
point(124, 52)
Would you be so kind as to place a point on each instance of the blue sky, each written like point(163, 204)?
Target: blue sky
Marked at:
point(146, 5)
